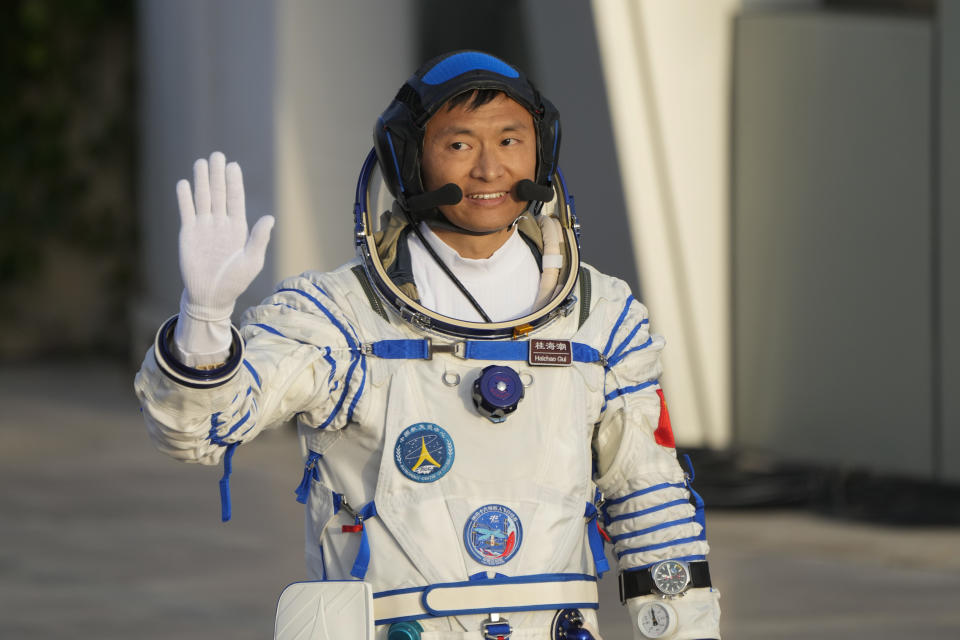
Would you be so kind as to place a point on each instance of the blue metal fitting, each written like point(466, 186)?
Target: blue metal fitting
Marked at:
point(406, 630)
point(568, 625)
point(497, 628)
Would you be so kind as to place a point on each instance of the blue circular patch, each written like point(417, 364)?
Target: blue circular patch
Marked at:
point(492, 534)
point(424, 452)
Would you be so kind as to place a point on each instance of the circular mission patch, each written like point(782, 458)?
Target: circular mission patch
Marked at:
point(424, 452)
point(492, 534)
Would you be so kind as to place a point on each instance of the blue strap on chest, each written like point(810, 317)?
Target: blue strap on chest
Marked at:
point(504, 350)
point(310, 471)
point(401, 349)
point(596, 540)
point(362, 561)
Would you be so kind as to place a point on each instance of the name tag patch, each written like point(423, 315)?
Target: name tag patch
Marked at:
point(551, 353)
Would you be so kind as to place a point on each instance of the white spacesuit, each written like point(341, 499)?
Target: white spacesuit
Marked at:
point(462, 469)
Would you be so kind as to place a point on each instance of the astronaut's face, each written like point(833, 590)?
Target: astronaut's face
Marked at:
point(486, 151)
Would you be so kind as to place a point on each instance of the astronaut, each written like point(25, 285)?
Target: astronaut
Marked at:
point(478, 410)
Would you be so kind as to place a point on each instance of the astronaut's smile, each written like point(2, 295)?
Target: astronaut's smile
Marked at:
point(496, 195)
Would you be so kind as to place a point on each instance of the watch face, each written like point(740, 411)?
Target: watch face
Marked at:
point(655, 620)
point(671, 577)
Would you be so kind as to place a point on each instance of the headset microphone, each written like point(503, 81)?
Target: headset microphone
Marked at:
point(445, 195)
point(530, 190)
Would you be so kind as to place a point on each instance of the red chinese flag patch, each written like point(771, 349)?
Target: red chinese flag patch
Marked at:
point(664, 433)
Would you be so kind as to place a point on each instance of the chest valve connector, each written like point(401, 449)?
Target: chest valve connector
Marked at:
point(405, 630)
point(497, 392)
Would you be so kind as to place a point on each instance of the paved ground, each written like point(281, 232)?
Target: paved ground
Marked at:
point(101, 537)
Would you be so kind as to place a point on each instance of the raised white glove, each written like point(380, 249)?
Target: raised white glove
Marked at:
point(218, 260)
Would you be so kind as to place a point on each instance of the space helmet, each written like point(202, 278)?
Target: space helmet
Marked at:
point(398, 133)
point(390, 190)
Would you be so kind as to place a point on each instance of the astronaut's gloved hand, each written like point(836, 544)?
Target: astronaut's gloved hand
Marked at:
point(218, 260)
point(694, 616)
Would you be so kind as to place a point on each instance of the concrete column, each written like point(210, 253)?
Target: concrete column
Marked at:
point(206, 84)
point(566, 63)
point(288, 89)
point(948, 438)
point(666, 66)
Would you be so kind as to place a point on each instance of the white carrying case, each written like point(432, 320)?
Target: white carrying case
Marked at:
point(330, 610)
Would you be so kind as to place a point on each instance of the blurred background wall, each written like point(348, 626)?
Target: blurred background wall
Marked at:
point(772, 177)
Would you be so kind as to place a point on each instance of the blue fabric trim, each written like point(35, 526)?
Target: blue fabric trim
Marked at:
point(276, 332)
point(520, 350)
point(383, 621)
point(584, 353)
point(698, 504)
point(218, 439)
point(500, 579)
point(482, 575)
point(596, 540)
point(626, 341)
point(225, 506)
point(353, 343)
point(664, 525)
point(215, 423)
point(256, 376)
point(692, 473)
point(461, 63)
point(661, 545)
point(237, 425)
point(362, 561)
point(475, 350)
point(643, 512)
point(616, 393)
point(616, 326)
point(642, 492)
point(350, 341)
point(495, 350)
point(394, 592)
point(310, 471)
point(549, 577)
point(343, 395)
point(617, 358)
point(543, 607)
point(356, 396)
point(681, 559)
point(268, 328)
point(401, 349)
point(331, 362)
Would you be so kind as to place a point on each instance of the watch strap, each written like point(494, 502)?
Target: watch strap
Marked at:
point(638, 583)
